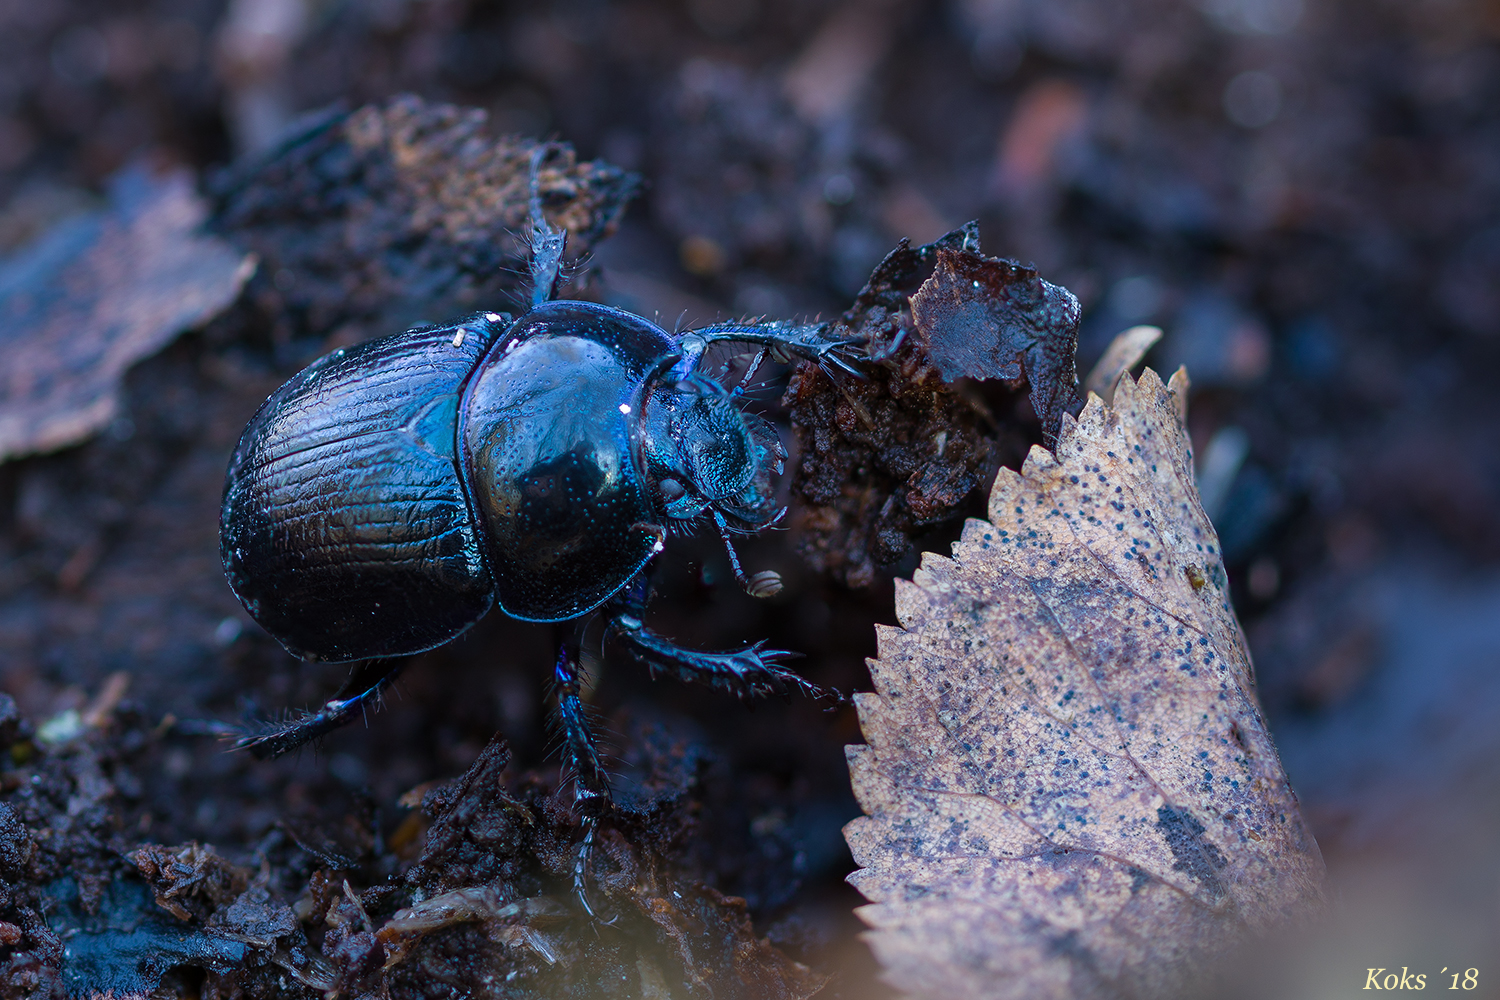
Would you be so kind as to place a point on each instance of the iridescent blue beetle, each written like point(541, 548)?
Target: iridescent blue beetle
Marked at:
point(384, 499)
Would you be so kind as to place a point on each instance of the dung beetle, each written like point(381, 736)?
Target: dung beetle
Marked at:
point(385, 498)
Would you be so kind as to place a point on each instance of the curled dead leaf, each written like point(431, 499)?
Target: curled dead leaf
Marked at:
point(1122, 354)
point(1069, 787)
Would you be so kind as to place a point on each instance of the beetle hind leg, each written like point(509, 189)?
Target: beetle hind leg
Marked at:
point(546, 243)
point(367, 682)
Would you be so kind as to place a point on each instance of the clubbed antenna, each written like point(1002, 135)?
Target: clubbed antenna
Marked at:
point(766, 583)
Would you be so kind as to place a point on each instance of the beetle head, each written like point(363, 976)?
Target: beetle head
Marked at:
point(704, 454)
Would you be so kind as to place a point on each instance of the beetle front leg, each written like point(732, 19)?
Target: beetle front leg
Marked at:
point(786, 342)
point(590, 783)
point(752, 672)
point(367, 682)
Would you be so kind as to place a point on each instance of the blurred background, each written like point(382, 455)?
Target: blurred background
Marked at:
point(1301, 193)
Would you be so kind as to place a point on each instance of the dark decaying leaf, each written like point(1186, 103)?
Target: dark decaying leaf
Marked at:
point(886, 457)
point(97, 294)
point(904, 269)
point(402, 212)
point(984, 317)
point(1069, 785)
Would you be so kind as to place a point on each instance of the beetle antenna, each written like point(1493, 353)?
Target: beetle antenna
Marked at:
point(766, 583)
point(739, 389)
point(546, 243)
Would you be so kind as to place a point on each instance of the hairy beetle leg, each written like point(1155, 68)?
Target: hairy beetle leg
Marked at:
point(590, 782)
point(546, 243)
point(369, 680)
point(784, 341)
point(752, 672)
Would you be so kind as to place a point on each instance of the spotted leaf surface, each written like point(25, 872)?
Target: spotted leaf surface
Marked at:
point(1069, 787)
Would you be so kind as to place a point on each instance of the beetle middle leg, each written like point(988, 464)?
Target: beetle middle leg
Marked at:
point(590, 782)
point(367, 681)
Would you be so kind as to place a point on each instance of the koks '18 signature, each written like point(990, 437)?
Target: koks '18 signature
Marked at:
point(1380, 979)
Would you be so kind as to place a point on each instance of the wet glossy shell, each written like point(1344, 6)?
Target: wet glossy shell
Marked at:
point(546, 431)
point(345, 530)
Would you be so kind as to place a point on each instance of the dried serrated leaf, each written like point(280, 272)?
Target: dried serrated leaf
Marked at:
point(1069, 786)
point(98, 294)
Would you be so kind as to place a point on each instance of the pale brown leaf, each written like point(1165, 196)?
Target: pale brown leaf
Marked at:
point(97, 295)
point(1122, 354)
point(1069, 786)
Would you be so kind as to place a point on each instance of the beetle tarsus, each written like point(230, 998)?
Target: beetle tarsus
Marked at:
point(590, 783)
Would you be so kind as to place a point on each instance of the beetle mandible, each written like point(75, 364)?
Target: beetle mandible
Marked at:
point(385, 498)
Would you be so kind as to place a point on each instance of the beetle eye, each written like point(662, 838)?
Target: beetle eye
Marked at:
point(671, 490)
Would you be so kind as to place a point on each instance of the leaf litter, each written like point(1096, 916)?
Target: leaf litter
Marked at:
point(399, 212)
point(1069, 786)
point(887, 458)
point(98, 293)
point(485, 900)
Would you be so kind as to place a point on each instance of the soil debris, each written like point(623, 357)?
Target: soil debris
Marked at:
point(368, 222)
point(488, 899)
point(890, 456)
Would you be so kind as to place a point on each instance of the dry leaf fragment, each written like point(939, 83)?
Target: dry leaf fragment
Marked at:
point(1069, 787)
point(986, 317)
point(95, 296)
point(1122, 354)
